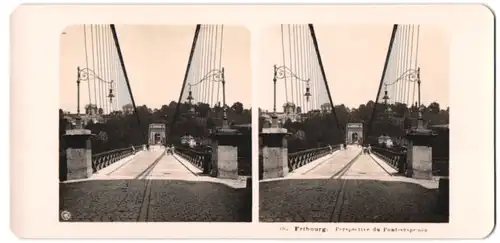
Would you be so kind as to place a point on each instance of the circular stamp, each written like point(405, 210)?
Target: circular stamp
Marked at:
point(65, 215)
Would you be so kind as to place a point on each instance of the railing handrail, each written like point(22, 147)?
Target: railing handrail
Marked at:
point(398, 160)
point(200, 159)
point(114, 151)
point(104, 159)
point(195, 151)
point(394, 152)
point(401, 152)
point(301, 158)
point(311, 150)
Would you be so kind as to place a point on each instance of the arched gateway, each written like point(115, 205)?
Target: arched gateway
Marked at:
point(156, 134)
point(354, 133)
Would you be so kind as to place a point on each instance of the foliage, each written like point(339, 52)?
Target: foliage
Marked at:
point(122, 129)
point(321, 129)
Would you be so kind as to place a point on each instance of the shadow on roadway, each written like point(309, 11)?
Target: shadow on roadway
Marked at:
point(154, 201)
point(352, 200)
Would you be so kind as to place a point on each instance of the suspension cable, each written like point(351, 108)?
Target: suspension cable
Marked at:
point(193, 47)
point(284, 61)
point(87, 62)
point(93, 67)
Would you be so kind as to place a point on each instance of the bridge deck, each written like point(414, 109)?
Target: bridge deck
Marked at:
point(170, 167)
point(327, 166)
point(346, 187)
point(153, 186)
point(134, 168)
point(383, 164)
point(366, 167)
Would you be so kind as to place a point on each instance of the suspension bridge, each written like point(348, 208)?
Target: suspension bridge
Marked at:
point(315, 168)
point(116, 167)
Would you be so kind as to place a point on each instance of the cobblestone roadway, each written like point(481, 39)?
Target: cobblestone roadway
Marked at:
point(198, 201)
point(297, 200)
point(154, 200)
point(170, 200)
point(102, 200)
point(360, 200)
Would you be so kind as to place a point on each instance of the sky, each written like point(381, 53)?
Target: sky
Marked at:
point(353, 57)
point(155, 58)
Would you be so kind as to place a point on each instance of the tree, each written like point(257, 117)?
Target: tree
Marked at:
point(218, 108)
point(202, 109)
point(128, 109)
point(210, 123)
point(122, 128)
point(237, 107)
point(320, 129)
point(91, 109)
point(63, 123)
point(434, 108)
point(263, 123)
point(288, 124)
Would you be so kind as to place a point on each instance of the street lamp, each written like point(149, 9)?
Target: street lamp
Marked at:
point(216, 76)
point(84, 74)
point(410, 75)
point(283, 72)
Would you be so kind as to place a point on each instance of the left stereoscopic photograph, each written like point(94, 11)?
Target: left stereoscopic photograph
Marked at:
point(155, 123)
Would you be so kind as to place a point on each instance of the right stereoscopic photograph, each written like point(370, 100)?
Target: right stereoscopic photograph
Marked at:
point(354, 123)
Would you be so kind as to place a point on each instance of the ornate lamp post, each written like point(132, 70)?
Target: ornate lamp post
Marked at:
point(84, 75)
point(111, 95)
point(190, 100)
point(216, 76)
point(283, 72)
point(410, 75)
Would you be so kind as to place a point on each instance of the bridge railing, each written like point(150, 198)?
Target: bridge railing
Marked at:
point(440, 166)
point(201, 159)
point(301, 158)
point(104, 159)
point(395, 159)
